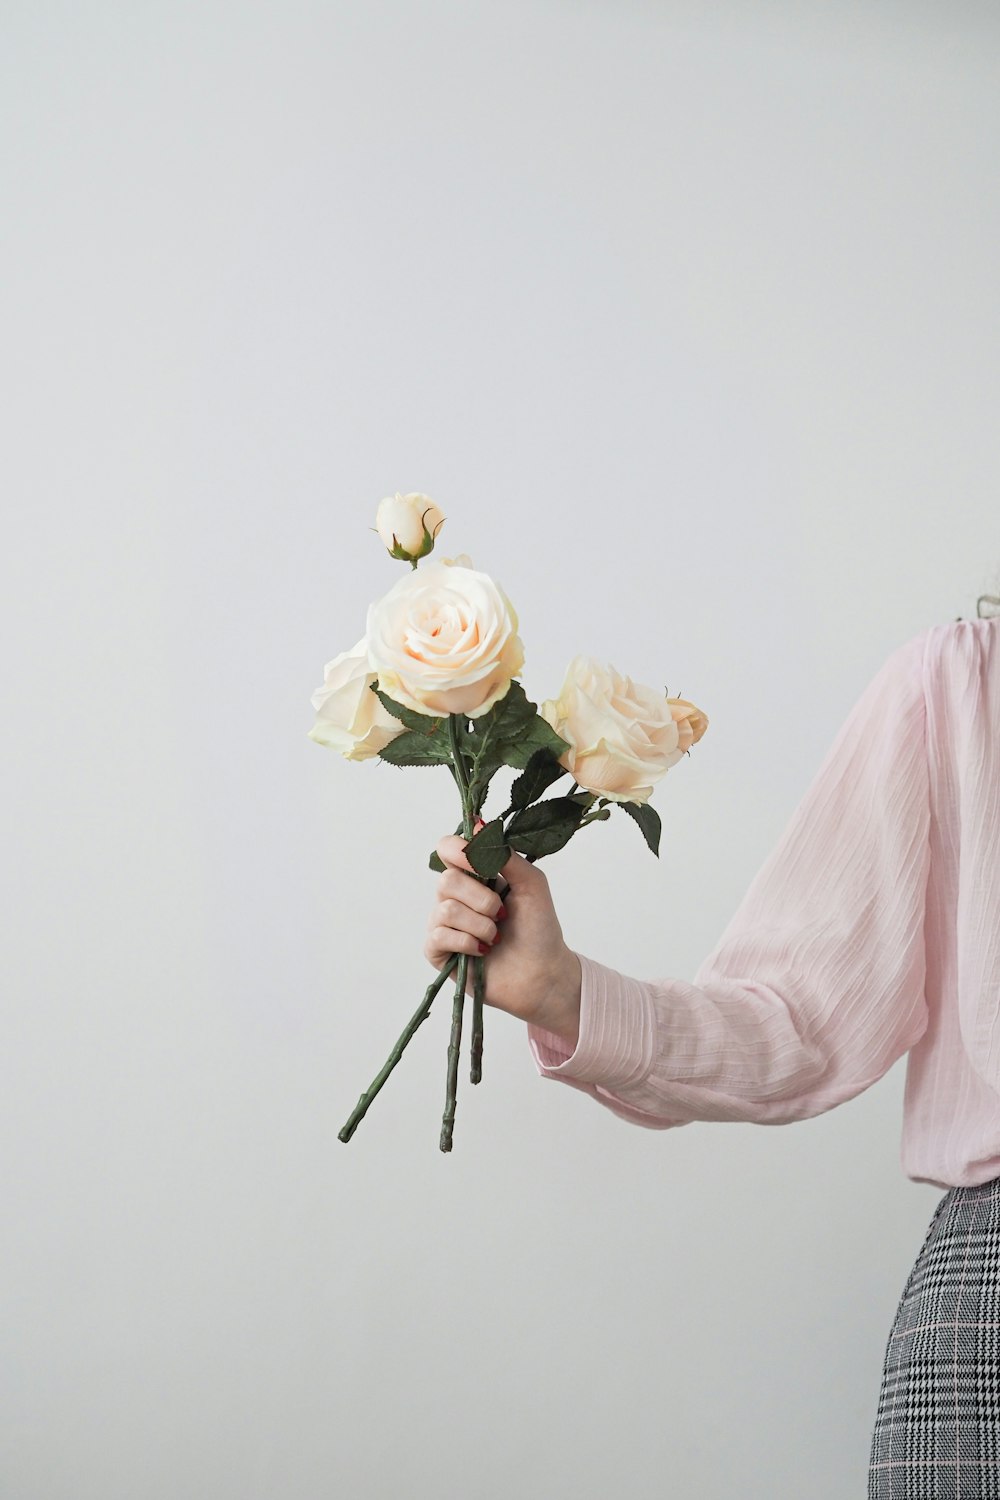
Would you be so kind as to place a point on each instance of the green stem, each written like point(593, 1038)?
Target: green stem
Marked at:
point(461, 960)
point(420, 1014)
point(451, 1094)
point(458, 761)
point(468, 818)
point(479, 986)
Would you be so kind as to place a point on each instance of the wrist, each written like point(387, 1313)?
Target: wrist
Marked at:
point(559, 1013)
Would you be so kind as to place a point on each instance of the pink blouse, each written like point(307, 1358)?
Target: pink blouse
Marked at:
point(872, 929)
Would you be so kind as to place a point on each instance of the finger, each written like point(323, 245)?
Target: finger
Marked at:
point(455, 915)
point(517, 871)
point(455, 843)
point(473, 893)
point(451, 849)
point(444, 941)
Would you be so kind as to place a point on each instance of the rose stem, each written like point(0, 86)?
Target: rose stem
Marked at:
point(460, 771)
point(479, 984)
point(419, 1015)
point(448, 1119)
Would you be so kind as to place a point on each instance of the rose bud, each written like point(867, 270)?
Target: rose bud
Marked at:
point(408, 525)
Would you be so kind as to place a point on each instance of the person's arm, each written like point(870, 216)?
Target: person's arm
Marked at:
point(816, 985)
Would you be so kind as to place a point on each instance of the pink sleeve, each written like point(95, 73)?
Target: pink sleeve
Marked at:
point(816, 985)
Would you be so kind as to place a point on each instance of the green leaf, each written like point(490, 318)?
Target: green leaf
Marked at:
point(421, 723)
point(541, 770)
point(648, 820)
point(488, 850)
point(536, 734)
point(413, 749)
point(509, 714)
point(544, 827)
point(513, 716)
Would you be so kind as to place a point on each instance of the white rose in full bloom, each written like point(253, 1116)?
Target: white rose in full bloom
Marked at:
point(408, 524)
point(444, 640)
point(623, 736)
point(349, 716)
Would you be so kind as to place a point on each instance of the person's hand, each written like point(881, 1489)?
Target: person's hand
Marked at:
point(529, 970)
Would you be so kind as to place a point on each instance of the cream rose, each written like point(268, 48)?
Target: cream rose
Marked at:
point(349, 716)
point(623, 736)
point(444, 640)
point(408, 525)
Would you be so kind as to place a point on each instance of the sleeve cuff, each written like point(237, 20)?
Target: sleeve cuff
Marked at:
point(616, 1044)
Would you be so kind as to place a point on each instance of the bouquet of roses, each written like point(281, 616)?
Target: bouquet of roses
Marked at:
point(433, 681)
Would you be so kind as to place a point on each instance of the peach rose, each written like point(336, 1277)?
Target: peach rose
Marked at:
point(444, 640)
point(691, 722)
point(623, 736)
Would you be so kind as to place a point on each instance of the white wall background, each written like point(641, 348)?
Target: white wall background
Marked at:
point(688, 317)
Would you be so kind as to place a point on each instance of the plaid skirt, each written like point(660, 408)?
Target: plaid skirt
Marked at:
point(937, 1430)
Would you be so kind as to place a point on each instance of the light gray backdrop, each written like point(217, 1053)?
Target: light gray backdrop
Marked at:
point(687, 316)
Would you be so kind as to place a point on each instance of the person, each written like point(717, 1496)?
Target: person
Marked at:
point(871, 930)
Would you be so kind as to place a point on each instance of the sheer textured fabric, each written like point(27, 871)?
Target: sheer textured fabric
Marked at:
point(871, 930)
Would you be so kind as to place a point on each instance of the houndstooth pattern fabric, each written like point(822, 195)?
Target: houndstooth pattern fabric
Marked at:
point(937, 1429)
